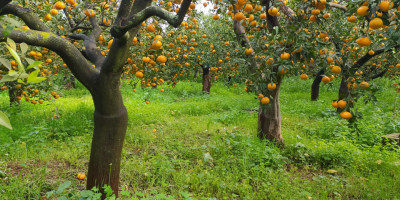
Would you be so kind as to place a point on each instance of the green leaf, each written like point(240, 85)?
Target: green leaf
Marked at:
point(30, 61)
point(8, 30)
point(34, 64)
point(6, 63)
point(24, 47)
point(21, 81)
point(62, 198)
point(4, 121)
point(16, 57)
point(63, 186)
point(32, 78)
point(12, 21)
point(12, 44)
point(8, 78)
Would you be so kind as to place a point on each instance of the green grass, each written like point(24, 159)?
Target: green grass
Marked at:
point(206, 145)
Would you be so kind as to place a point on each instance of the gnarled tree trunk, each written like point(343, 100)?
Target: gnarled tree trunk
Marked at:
point(110, 124)
point(206, 80)
point(269, 117)
point(315, 86)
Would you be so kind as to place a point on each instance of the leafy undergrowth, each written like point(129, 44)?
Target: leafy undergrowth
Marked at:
point(185, 144)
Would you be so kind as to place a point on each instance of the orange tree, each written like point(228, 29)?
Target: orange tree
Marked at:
point(98, 71)
point(299, 42)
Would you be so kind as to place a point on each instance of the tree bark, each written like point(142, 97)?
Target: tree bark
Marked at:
point(12, 93)
point(206, 80)
point(269, 117)
point(315, 86)
point(195, 75)
point(110, 124)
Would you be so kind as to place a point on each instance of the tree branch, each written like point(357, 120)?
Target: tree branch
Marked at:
point(77, 25)
point(379, 74)
point(78, 65)
point(272, 21)
point(4, 3)
point(70, 21)
point(27, 15)
point(287, 11)
point(78, 36)
point(121, 27)
point(335, 5)
point(360, 62)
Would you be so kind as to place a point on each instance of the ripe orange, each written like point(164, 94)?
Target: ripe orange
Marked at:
point(263, 16)
point(192, 6)
point(364, 85)
point(303, 77)
point(376, 23)
point(162, 59)
point(151, 28)
point(264, 100)
point(47, 17)
point(346, 115)
point(384, 6)
point(362, 11)
point(59, 5)
point(351, 18)
point(315, 12)
point(53, 11)
point(285, 56)
point(81, 176)
point(162, 90)
point(326, 79)
point(239, 16)
point(313, 18)
point(365, 41)
point(336, 69)
point(342, 104)
point(248, 8)
point(273, 11)
point(334, 104)
point(271, 86)
point(248, 51)
point(110, 43)
point(139, 74)
point(215, 16)
point(147, 102)
point(89, 13)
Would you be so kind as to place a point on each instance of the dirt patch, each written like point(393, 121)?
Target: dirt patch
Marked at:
point(52, 168)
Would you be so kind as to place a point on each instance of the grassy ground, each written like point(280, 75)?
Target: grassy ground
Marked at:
point(205, 146)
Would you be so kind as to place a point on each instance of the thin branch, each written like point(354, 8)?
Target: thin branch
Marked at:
point(121, 27)
point(70, 21)
point(335, 5)
point(96, 30)
point(77, 25)
point(379, 74)
point(78, 65)
point(360, 62)
point(78, 36)
point(27, 15)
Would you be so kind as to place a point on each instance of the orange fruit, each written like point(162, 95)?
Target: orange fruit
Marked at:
point(376, 23)
point(362, 11)
point(264, 100)
point(351, 18)
point(273, 11)
point(334, 104)
point(336, 69)
point(151, 28)
point(285, 56)
point(139, 74)
point(81, 176)
point(110, 43)
point(271, 86)
point(59, 5)
point(384, 6)
point(248, 51)
point(326, 79)
point(315, 12)
point(53, 11)
point(303, 77)
point(364, 85)
point(346, 115)
point(215, 16)
point(342, 104)
point(47, 17)
point(89, 13)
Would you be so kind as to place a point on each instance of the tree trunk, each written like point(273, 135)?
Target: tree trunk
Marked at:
point(269, 117)
point(343, 90)
point(195, 75)
point(206, 80)
point(315, 86)
point(12, 93)
point(110, 124)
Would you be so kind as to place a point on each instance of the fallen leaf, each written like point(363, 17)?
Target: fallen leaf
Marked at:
point(331, 171)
